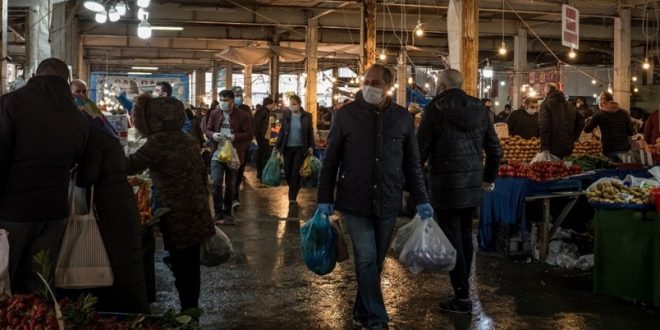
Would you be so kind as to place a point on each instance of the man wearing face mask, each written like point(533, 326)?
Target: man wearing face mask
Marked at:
point(525, 122)
point(454, 135)
point(262, 132)
point(227, 123)
point(371, 152)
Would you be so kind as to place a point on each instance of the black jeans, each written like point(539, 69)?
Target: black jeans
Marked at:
point(457, 225)
point(263, 154)
point(293, 160)
point(185, 265)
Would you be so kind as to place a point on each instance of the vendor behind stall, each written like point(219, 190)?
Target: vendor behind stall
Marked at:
point(615, 125)
point(525, 122)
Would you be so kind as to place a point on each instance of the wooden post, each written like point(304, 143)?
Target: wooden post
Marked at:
point(3, 71)
point(199, 79)
point(402, 79)
point(274, 70)
point(311, 44)
point(335, 84)
point(622, 59)
point(368, 34)
point(454, 14)
point(214, 80)
point(470, 45)
point(247, 82)
point(519, 67)
point(229, 71)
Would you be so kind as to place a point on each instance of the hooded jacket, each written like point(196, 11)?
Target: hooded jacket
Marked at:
point(42, 135)
point(559, 124)
point(615, 126)
point(369, 155)
point(453, 134)
point(176, 169)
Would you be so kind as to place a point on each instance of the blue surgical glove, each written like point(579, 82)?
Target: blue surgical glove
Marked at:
point(425, 211)
point(326, 208)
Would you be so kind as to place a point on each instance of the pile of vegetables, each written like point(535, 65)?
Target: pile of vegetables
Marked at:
point(142, 190)
point(517, 149)
point(589, 163)
point(541, 171)
point(588, 148)
point(612, 192)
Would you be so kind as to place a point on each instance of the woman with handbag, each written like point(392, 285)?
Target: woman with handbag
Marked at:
point(295, 142)
point(176, 170)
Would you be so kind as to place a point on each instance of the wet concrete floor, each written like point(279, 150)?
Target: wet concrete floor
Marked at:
point(267, 285)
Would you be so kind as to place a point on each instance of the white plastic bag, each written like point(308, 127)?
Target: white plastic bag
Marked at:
point(5, 288)
point(216, 250)
point(544, 156)
point(428, 249)
point(403, 235)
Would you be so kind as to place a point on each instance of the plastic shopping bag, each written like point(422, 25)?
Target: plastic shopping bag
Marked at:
point(235, 161)
point(428, 249)
point(5, 287)
point(306, 169)
point(224, 156)
point(403, 235)
point(216, 250)
point(544, 156)
point(313, 180)
point(318, 244)
point(272, 175)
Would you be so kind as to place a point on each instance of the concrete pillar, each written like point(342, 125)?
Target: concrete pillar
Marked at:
point(335, 85)
point(311, 51)
point(519, 67)
point(3, 64)
point(229, 71)
point(214, 80)
point(274, 70)
point(402, 79)
point(463, 24)
point(82, 72)
point(622, 59)
point(247, 85)
point(368, 35)
point(199, 80)
point(39, 35)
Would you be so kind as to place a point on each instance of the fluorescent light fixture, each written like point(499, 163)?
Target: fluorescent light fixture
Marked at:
point(167, 28)
point(146, 68)
point(94, 6)
point(136, 73)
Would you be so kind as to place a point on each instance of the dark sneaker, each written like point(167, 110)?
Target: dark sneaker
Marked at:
point(456, 306)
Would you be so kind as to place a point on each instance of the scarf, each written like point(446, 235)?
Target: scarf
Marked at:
point(610, 107)
point(95, 116)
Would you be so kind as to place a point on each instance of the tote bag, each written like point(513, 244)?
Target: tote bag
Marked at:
point(83, 261)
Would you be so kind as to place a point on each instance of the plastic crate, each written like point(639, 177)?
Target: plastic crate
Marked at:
point(513, 242)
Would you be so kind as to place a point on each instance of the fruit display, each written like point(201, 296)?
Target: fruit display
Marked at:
point(591, 147)
point(142, 190)
point(517, 149)
point(612, 192)
point(589, 163)
point(541, 171)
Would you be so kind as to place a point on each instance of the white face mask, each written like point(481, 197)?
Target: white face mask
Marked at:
point(531, 112)
point(224, 106)
point(372, 95)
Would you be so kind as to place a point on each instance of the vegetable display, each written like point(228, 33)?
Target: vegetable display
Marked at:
point(589, 163)
point(588, 148)
point(541, 171)
point(611, 192)
point(517, 149)
point(142, 190)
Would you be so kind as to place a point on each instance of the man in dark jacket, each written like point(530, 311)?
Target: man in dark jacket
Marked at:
point(371, 152)
point(227, 123)
point(525, 122)
point(262, 131)
point(42, 136)
point(453, 135)
point(616, 127)
point(559, 124)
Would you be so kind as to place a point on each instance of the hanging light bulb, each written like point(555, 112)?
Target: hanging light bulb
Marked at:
point(333, 80)
point(485, 90)
point(636, 89)
point(532, 93)
point(427, 86)
point(634, 78)
point(418, 29)
point(383, 56)
point(94, 6)
point(142, 14)
point(389, 93)
point(396, 85)
point(497, 103)
point(113, 14)
point(410, 80)
point(572, 54)
point(101, 17)
point(121, 8)
point(646, 64)
point(502, 83)
point(143, 3)
point(593, 81)
point(609, 89)
point(503, 49)
point(144, 30)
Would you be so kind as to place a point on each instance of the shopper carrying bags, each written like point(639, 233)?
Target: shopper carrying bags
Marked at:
point(295, 142)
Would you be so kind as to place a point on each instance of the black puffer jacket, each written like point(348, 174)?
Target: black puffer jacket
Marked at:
point(453, 134)
point(42, 135)
point(176, 170)
point(559, 124)
point(374, 152)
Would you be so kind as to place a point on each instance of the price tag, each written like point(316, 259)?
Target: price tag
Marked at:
point(626, 197)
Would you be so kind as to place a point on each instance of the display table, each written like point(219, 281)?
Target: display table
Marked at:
point(627, 255)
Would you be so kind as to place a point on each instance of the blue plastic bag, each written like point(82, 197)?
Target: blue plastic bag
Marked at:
point(318, 243)
point(272, 173)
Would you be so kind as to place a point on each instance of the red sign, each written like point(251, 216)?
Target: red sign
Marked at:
point(570, 27)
